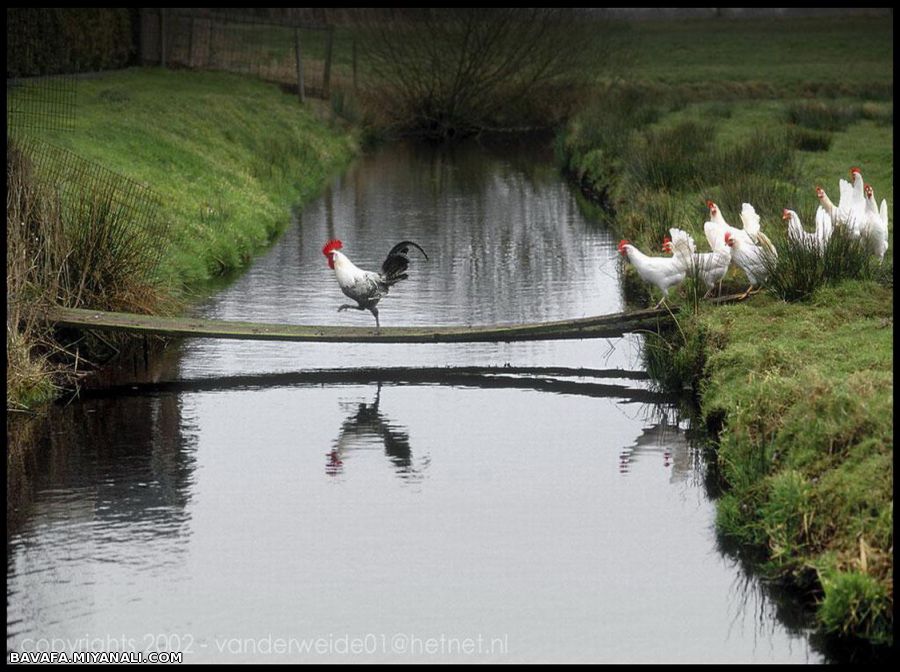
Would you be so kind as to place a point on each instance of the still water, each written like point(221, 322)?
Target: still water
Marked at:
point(243, 508)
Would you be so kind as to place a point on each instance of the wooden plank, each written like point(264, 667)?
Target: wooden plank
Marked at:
point(603, 326)
point(600, 326)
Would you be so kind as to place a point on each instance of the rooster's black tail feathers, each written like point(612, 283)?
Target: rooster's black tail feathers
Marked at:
point(393, 269)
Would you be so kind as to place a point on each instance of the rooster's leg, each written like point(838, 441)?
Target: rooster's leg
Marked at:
point(746, 294)
point(375, 313)
point(661, 301)
point(347, 306)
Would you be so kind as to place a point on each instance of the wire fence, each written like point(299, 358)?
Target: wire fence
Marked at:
point(98, 206)
point(41, 103)
point(297, 56)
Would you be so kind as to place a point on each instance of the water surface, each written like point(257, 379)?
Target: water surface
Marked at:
point(252, 512)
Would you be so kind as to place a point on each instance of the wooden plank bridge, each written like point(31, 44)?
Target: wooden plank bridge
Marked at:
point(601, 326)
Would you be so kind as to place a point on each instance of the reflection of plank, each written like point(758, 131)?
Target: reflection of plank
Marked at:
point(601, 326)
point(475, 377)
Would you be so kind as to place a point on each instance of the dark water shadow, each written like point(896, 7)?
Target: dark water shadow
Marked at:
point(479, 377)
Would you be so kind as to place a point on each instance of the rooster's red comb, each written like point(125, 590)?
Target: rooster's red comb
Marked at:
point(855, 169)
point(331, 246)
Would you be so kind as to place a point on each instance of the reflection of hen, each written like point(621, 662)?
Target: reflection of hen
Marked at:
point(662, 437)
point(366, 427)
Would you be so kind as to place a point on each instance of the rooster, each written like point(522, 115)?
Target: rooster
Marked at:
point(662, 272)
point(367, 288)
point(875, 224)
point(750, 258)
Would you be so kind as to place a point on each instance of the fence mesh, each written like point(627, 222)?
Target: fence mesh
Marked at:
point(114, 210)
point(41, 103)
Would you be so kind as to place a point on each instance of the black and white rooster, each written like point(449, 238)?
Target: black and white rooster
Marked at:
point(367, 287)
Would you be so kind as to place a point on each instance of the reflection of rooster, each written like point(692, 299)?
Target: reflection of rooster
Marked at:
point(368, 426)
point(367, 287)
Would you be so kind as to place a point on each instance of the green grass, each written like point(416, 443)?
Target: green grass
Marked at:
point(807, 442)
point(821, 53)
point(228, 154)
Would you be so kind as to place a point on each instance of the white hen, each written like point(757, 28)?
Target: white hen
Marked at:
point(826, 216)
point(798, 234)
point(710, 266)
point(750, 258)
point(875, 226)
point(716, 227)
point(750, 220)
point(852, 203)
point(662, 272)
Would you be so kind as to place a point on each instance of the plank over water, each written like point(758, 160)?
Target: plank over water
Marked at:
point(602, 326)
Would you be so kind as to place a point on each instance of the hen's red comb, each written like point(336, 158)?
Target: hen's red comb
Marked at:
point(331, 246)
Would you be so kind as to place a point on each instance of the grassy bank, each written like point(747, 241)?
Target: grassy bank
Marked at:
point(228, 157)
point(800, 392)
point(228, 154)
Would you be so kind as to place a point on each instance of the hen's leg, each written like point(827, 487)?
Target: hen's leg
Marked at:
point(347, 306)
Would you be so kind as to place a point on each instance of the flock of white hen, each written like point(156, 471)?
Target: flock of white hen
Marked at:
point(748, 247)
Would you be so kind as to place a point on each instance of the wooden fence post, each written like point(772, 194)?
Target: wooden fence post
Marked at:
point(209, 33)
point(300, 91)
point(162, 37)
point(326, 80)
point(355, 81)
point(190, 54)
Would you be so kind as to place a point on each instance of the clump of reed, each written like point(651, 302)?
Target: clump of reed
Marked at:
point(73, 243)
point(803, 266)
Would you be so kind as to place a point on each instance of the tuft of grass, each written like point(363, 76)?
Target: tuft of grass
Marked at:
point(803, 266)
point(856, 604)
point(669, 159)
point(823, 116)
point(807, 140)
